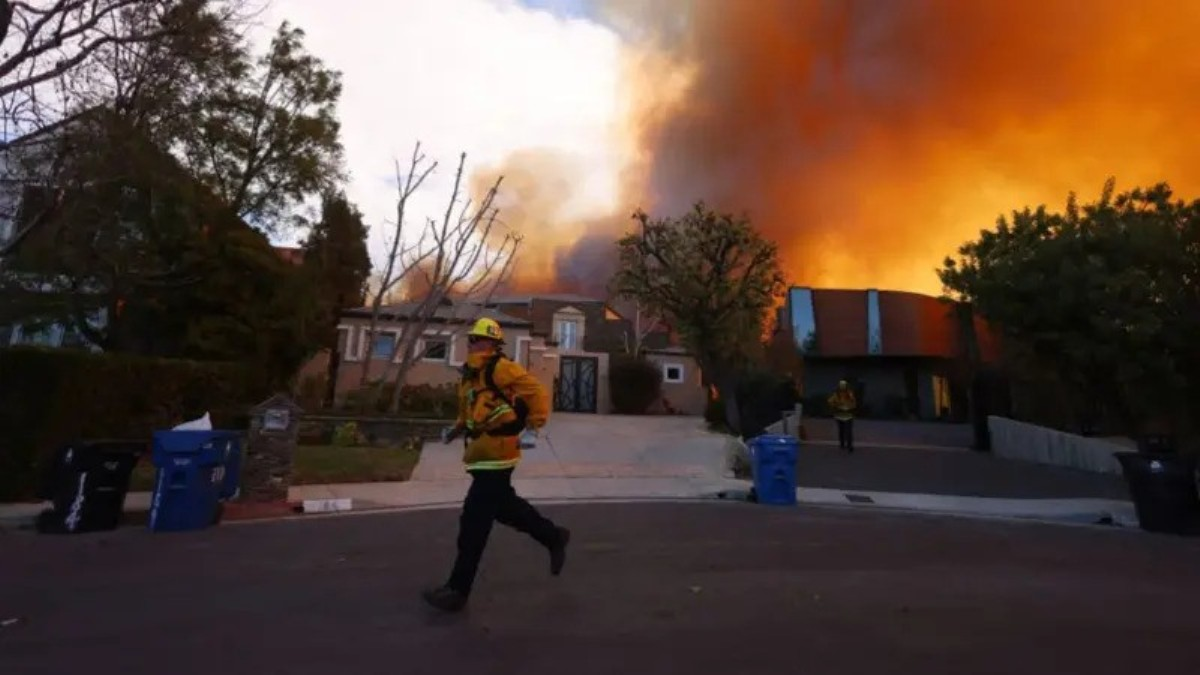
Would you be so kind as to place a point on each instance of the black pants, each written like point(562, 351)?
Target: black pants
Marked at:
point(490, 498)
point(846, 434)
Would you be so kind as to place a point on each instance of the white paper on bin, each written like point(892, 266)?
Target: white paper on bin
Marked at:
point(199, 424)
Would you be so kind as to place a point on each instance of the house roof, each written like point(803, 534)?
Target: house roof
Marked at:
point(442, 314)
point(553, 297)
point(908, 324)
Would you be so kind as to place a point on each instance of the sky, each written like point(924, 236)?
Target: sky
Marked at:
point(485, 77)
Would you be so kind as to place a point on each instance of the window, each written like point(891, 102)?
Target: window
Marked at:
point(383, 347)
point(46, 336)
point(436, 349)
point(941, 396)
point(343, 343)
point(874, 331)
point(568, 335)
point(672, 373)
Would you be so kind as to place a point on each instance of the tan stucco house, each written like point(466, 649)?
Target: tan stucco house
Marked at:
point(566, 341)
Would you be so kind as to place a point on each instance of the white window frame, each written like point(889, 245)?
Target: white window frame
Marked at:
point(576, 334)
point(352, 342)
point(444, 339)
point(666, 369)
point(526, 341)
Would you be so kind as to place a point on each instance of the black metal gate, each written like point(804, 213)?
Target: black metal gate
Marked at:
point(575, 389)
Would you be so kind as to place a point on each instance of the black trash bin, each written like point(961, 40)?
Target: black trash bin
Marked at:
point(1163, 487)
point(87, 483)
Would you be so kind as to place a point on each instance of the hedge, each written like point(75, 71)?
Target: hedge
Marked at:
point(49, 397)
point(763, 396)
point(634, 384)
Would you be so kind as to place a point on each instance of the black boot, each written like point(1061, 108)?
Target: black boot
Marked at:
point(558, 552)
point(445, 599)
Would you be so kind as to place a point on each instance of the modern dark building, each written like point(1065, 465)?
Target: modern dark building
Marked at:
point(907, 355)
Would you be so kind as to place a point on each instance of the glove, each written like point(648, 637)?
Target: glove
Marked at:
point(451, 433)
point(529, 438)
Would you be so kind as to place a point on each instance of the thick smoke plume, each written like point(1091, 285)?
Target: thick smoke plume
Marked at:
point(871, 138)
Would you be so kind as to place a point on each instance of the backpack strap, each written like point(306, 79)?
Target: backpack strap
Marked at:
point(489, 378)
point(519, 407)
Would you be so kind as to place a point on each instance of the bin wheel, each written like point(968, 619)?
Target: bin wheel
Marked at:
point(220, 511)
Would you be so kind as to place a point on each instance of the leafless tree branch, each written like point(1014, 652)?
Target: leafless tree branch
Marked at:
point(400, 260)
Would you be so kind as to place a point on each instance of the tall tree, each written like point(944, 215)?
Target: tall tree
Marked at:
point(265, 135)
point(337, 261)
point(261, 133)
point(714, 278)
point(1105, 296)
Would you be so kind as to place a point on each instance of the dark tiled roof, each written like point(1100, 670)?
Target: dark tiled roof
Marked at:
point(443, 314)
point(549, 297)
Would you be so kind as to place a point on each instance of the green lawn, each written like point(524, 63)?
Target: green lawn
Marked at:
point(320, 464)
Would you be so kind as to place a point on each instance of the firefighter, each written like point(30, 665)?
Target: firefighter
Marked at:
point(843, 404)
point(498, 400)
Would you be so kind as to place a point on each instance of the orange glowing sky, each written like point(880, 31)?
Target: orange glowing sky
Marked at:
point(871, 138)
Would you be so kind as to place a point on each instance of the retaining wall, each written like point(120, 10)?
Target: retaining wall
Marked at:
point(1028, 442)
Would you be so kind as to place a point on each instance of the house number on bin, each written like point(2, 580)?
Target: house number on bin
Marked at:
point(275, 419)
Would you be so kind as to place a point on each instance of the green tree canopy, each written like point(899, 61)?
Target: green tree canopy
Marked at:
point(1105, 295)
point(336, 257)
point(338, 265)
point(713, 278)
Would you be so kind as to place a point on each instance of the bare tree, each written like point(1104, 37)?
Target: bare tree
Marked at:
point(401, 259)
point(643, 325)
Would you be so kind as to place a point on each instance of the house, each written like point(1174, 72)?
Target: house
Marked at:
point(567, 341)
point(581, 327)
point(904, 353)
point(442, 346)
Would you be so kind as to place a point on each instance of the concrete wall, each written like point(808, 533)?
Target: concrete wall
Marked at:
point(1028, 442)
point(689, 396)
point(789, 423)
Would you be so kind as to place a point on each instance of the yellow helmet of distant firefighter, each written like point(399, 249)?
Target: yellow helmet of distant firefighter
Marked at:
point(488, 329)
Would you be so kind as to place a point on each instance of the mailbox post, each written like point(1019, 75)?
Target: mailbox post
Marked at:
point(274, 429)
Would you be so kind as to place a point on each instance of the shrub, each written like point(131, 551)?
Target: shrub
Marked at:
point(346, 435)
point(714, 414)
point(426, 400)
point(49, 397)
point(634, 384)
point(416, 400)
point(762, 398)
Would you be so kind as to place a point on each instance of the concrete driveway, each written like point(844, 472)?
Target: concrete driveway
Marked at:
point(901, 433)
point(602, 446)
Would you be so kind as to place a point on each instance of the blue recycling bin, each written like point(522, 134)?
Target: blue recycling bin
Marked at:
point(197, 470)
point(774, 461)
